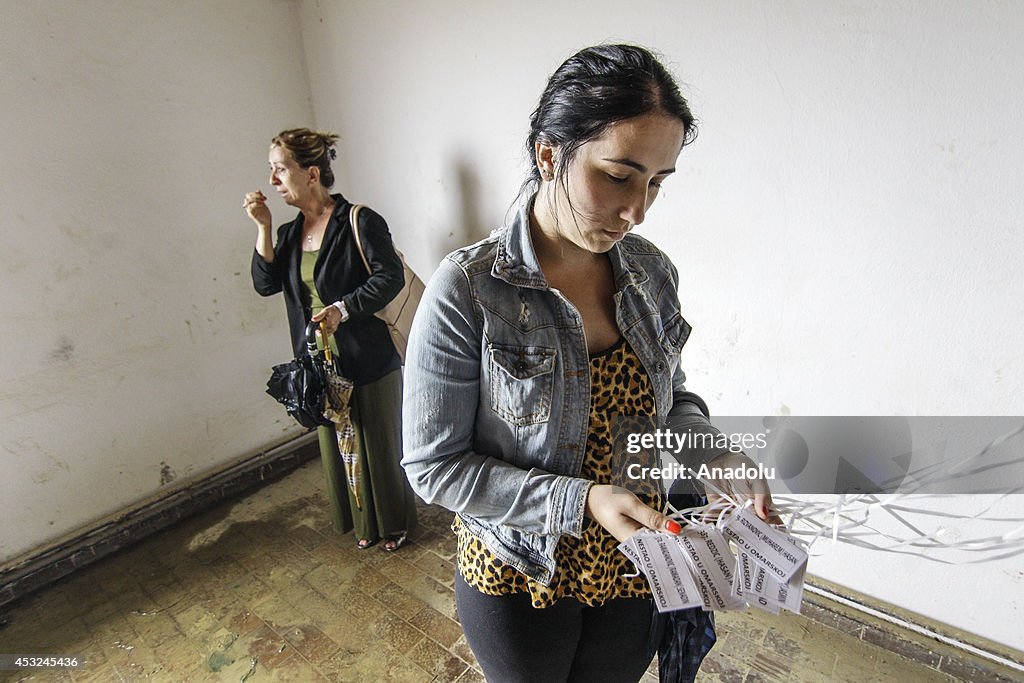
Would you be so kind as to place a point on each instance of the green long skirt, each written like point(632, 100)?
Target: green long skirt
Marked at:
point(387, 505)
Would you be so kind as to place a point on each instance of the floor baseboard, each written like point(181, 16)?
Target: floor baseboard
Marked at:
point(29, 573)
point(964, 656)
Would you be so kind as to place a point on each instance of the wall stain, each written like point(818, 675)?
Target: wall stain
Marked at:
point(17, 266)
point(65, 273)
point(51, 471)
point(77, 236)
point(65, 350)
point(167, 474)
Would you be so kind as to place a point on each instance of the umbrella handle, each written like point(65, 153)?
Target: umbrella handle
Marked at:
point(311, 330)
point(328, 356)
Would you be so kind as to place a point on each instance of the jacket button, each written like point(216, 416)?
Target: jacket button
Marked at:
point(660, 366)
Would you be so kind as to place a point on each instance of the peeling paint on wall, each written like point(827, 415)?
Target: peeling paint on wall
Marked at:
point(167, 474)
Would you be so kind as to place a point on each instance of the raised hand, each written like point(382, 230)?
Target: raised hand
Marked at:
point(255, 205)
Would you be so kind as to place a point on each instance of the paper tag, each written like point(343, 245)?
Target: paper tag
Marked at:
point(754, 581)
point(788, 595)
point(764, 604)
point(697, 567)
point(711, 562)
point(763, 585)
point(746, 579)
point(741, 577)
point(661, 559)
point(766, 546)
point(791, 594)
point(628, 548)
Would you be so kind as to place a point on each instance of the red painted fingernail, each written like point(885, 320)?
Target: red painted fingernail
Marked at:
point(673, 526)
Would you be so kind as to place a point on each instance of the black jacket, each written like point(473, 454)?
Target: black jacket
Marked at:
point(364, 344)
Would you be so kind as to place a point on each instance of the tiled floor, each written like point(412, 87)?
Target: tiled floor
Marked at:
point(261, 589)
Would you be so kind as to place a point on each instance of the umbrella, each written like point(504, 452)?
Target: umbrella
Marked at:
point(336, 409)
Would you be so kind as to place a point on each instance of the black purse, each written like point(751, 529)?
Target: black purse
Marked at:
point(301, 385)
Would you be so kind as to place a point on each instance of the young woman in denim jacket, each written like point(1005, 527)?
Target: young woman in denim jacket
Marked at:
point(524, 347)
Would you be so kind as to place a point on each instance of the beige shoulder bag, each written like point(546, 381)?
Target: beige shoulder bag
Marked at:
point(399, 313)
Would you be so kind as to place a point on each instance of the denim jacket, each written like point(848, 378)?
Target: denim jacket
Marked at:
point(497, 387)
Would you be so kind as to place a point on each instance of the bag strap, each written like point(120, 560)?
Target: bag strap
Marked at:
point(353, 218)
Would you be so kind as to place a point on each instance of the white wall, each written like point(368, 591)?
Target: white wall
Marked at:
point(848, 225)
point(134, 349)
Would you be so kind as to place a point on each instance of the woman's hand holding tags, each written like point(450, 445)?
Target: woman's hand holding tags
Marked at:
point(622, 514)
point(741, 489)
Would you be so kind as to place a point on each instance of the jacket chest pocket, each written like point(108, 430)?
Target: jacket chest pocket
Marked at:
point(521, 378)
point(673, 334)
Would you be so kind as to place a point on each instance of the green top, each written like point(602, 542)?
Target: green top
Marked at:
point(306, 270)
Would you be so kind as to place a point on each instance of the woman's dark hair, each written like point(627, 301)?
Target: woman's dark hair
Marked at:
point(595, 88)
point(310, 148)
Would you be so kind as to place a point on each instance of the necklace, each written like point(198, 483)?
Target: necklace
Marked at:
point(309, 237)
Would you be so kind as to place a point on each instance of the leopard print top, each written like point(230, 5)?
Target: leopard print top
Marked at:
point(590, 568)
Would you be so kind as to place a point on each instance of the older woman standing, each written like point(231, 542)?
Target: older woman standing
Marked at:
point(316, 264)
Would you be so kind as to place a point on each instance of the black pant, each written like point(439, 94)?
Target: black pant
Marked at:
point(517, 643)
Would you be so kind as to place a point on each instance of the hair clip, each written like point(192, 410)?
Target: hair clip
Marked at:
point(331, 153)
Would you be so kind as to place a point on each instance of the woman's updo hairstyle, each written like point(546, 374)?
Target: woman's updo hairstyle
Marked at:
point(595, 88)
point(310, 148)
